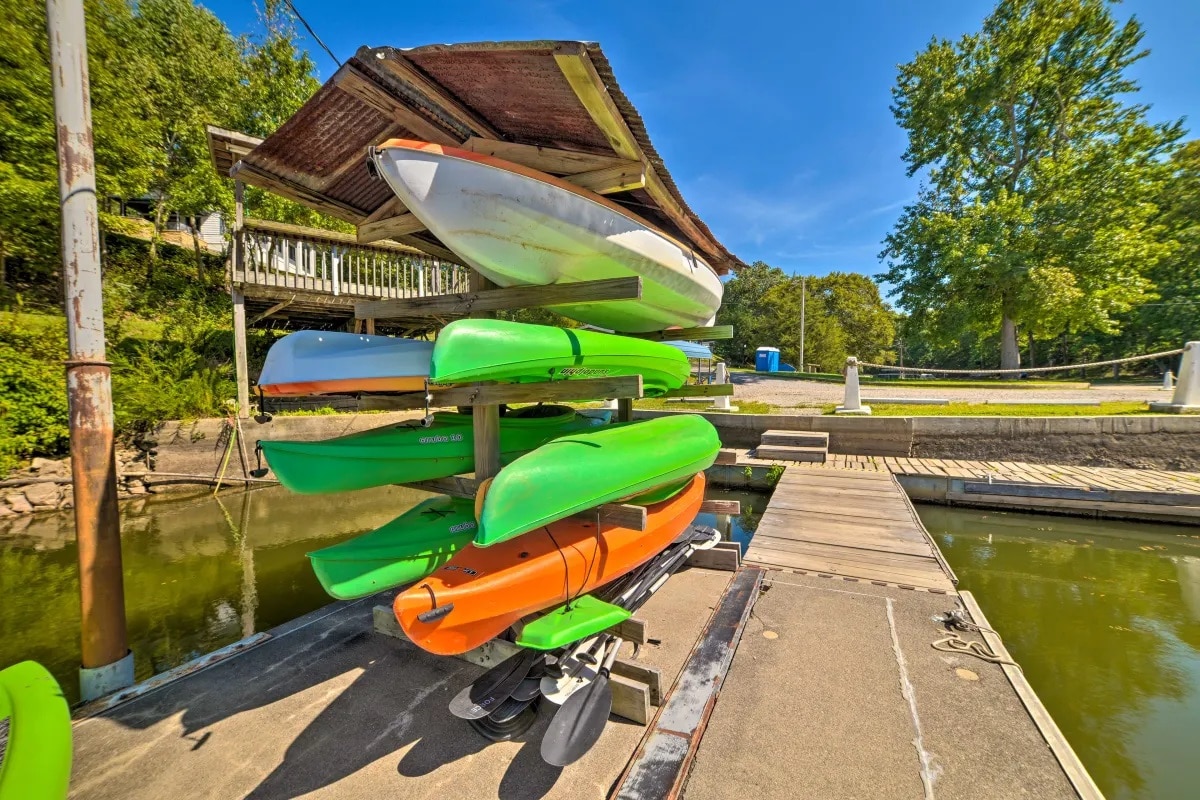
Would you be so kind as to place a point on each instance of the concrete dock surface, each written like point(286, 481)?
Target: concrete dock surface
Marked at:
point(836, 692)
point(327, 708)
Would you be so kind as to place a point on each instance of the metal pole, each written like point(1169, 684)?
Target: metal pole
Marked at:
point(106, 664)
point(803, 296)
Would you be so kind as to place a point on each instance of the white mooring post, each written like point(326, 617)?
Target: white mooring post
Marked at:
point(722, 403)
point(1186, 399)
point(852, 404)
point(1168, 381)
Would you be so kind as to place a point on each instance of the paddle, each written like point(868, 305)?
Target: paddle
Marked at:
point(578, 724)
point(497, 684)
point(494, 686)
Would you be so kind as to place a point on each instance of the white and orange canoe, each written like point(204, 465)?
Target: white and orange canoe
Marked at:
point(518, 226)
point(325, 362)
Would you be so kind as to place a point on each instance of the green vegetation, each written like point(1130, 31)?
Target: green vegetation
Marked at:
point(1049, 209)
point(844, 314)
point(1116, 408)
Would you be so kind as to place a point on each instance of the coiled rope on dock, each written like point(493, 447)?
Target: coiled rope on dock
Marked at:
point(956, 619)
point(1025, 370)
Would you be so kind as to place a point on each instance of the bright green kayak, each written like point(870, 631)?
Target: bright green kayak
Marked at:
point(406, 549)
point(582, 470)
point(408, 452)
point(36, 761)
point(514, 352)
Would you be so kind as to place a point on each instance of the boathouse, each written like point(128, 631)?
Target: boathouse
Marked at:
point(552, 106)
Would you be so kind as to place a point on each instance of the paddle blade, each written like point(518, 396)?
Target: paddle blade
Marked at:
point(494, 686)
point(578, 724)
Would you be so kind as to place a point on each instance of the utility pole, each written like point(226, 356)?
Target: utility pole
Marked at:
point(803, 297)
point(106, 663)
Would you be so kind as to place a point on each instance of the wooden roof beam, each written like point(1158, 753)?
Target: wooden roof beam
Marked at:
point(577, 67)
point(389, 227)
point(248, 173)
point(404, 70)
point(621, 178)
point(353, 81)
point(545, 159)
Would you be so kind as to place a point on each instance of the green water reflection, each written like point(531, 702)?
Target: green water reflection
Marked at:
point(199, 574)
point(1105, 619)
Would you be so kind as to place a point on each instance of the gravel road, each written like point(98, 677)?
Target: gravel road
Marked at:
point(791, 392)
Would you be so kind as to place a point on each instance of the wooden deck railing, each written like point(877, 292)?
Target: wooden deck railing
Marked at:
point(278, 255)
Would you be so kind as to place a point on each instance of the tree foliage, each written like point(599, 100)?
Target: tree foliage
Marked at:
point(160, 71)
point(1039, 209)
point(844, 315)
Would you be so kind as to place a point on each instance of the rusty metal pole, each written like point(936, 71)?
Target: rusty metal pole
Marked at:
point(106, 664)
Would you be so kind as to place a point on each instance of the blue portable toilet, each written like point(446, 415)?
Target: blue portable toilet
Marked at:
point(766, 359)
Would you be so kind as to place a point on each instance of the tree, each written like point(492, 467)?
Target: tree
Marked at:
point(277, 79)
point(824, 340)
point(1175, 318)
point(854, 301)
point(1039, 208)
point(195, 81)
point(29, 212)
point(742, 308)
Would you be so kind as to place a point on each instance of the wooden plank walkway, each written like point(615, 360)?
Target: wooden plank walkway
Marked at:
point(1144, 480)
point(851, 523)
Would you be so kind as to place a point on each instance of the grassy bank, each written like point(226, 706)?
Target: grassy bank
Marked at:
point(923, 383)
point(1120, 408)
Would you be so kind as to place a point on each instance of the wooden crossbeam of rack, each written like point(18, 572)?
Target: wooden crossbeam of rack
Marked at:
point(701, 390)
point(496, 393)
point(511, 298)
point(708, 333)
point(620, 514)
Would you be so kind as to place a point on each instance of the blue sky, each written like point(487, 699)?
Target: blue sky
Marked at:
point(771, 116)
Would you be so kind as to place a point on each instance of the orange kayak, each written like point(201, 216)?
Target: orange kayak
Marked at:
point(481, 592)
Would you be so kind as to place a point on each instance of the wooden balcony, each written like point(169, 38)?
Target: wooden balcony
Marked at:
point(316, 267)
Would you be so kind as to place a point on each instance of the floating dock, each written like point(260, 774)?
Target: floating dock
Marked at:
point(814, 670)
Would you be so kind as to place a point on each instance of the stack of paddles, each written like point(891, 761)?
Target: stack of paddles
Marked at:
point(526, 553)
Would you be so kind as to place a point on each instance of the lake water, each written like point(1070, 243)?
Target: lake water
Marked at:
point(1104, 617)
point(200, 573)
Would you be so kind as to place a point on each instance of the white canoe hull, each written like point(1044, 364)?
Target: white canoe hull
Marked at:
point(517, 226)
point(321, 362)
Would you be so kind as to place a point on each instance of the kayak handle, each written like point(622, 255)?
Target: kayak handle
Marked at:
point(434, 614)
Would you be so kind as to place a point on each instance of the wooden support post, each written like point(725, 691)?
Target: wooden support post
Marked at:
point(487, 441)
point(370, 326)
point(241, 367)
point(624, 409)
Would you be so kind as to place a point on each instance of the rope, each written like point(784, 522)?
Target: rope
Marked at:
point(956, 644)
point(1025, 370)
point(956, 619)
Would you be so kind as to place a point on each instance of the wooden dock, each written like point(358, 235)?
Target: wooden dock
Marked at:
point(850, 523)
point(1111, 478)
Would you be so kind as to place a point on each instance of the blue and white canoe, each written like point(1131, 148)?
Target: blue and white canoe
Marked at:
point(323, 362)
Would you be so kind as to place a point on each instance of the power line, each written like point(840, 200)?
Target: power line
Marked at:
point(311, 32)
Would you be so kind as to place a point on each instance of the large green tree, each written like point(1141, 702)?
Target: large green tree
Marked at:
point(853, 300)
point(742, 307)
point(1039, 207)
point(28, 169)
point(196, 81)
point(825, 341)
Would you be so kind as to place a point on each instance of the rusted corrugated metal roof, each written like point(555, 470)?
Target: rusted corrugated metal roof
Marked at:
point(515, 92)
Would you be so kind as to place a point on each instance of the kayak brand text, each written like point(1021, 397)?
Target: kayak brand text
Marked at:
point(441, 437)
